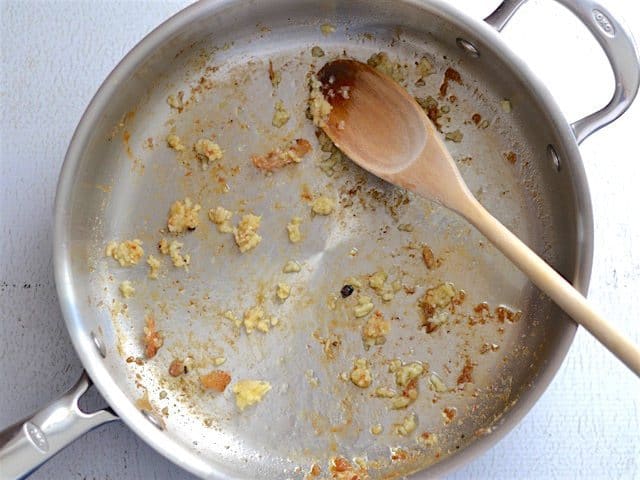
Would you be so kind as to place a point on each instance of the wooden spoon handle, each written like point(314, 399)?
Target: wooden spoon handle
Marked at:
point(551, 283)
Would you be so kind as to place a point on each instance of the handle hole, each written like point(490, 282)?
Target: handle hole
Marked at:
point(554, 157)
point(99, 344)
point(468, 47)
point(91, 401)
point(153, 419)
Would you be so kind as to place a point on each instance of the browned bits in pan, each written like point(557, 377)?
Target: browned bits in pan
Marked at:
point(341, 469)
point(486, 347)
point(279, 158)
point(137, 360)
point(274, 76)
point(481, 308)
point(482, 313)
point(436, 302)
point(449, 414)
point(457, 300)
point(177, 368)
point(399, 454)
point(152, 338)
point(504, 313)
point(315, 470)
point(409, 289)
point(340, 464)
point(183, 216)
point(510, 157)
point(216, 380)
point(428, 310)
point(430, 107)
point(428, 439)
point(331, 345)
point(305, 193)
point(449, 75)
point(467, 371)
point(429, 258)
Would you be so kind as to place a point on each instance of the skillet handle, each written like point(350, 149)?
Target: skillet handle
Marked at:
point(617, 43)
point(29, 443)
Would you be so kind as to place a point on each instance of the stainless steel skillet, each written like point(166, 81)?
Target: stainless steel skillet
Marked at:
point(458, 273)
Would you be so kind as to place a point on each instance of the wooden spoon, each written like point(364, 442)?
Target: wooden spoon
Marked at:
point(377, 124)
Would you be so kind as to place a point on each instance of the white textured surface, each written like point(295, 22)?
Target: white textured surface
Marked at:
point(54, 55)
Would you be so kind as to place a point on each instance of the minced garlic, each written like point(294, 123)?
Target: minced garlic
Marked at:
point(154, 266)
point(221, 216)
point(127, 253)
point(183, 216)
point(442, 295)
point(174, 250)
point(407, 398)
point(361, 375)
point(245, 233)
point(407, 426)
point(407, 372)
point(332, 302)
point(207, 151)
point(376, 429)
point(323, 205)
point(436, 383)
point(255, 319)
point(176, 103)
point(283, 291)
point(424, 67)
point(163, 246)
point(454, 136)
point(250, 392)
point(280, 115)
point(374, 331)
point(385, 392)
point(175, 253)
point(376, 281)
point(229, 315)
point(293, 230)
point(126, 289)
point(381, 62)
point(291, 267)
point(174, 142)
point(327, 29)
point(437, 302)
point(364, 306)
point(318, 105)
point(118, 308)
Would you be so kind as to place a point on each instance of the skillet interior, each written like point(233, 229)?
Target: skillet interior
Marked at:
point(122, 189)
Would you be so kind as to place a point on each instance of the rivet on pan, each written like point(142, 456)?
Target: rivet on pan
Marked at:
point(554, 157)
point(468, 47)
point(153, 419)
point(99, 345)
